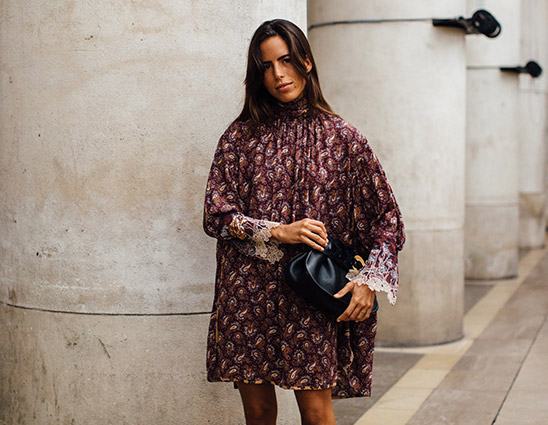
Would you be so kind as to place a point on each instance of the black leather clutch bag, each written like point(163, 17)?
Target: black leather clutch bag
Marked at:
point(318, 275)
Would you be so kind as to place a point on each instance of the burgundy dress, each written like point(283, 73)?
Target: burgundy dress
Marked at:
point(294, 167)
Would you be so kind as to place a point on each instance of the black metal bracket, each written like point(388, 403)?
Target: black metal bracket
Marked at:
point(532, 68)
point(481, 22)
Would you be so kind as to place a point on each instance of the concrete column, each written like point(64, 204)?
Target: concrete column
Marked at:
point(110, 115)
point(402, 83)
point(532, 197)
point(544, 13)
point(544, 52)
point(542, 46)
point(492, 154)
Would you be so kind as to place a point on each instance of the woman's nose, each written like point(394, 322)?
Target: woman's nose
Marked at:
point(278, 71)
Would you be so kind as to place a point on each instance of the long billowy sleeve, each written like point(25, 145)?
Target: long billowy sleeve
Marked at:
point(224, 207)
point(378, 222)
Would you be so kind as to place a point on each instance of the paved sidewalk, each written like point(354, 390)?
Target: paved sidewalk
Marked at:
point(497, 374)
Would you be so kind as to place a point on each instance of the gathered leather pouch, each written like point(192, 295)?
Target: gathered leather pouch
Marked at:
point(318, 275)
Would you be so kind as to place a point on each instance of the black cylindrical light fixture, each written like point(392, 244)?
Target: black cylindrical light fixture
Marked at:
point(481, 22)
point(532, 68)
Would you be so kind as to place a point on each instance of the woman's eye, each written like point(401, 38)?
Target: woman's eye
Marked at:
point(267, 66)
point(287, 60)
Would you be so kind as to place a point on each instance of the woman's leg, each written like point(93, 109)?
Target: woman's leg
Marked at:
point(315, 407)
point(259, 400)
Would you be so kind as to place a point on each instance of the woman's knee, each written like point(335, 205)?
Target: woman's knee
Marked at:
point(315, 407)
point(260, 413)
point(259, 402)
point(316, 417)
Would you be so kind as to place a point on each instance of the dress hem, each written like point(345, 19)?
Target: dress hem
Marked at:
point(264, 381)
point(286, 387)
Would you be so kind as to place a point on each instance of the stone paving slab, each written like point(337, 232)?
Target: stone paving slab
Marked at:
point(459, 407)
point(387, 369)
point(511, 348)
point(527, 401)
point(498, 372)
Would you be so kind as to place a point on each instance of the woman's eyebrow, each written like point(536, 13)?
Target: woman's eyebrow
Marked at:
point(280, 58)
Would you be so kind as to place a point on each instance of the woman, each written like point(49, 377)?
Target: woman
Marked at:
point(288, 172)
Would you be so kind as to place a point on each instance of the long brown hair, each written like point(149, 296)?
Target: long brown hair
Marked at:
point(258, 105)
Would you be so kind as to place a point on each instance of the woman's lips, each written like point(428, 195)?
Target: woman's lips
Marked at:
point(284, 87)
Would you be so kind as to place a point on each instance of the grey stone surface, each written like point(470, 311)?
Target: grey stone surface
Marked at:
point(491, 241)
point(473, 292)
point(394, 99)
point(388, 368)
point(526, 401)
point(459, 407)
point(505, 370)
point(510, 326)
point(532, 220)
point(431, 293)
point(324, 11)
point(112, 370)
point(492, 148)
point(523, 315)
point(486, 372)
point(111, 112)
point(533, 135)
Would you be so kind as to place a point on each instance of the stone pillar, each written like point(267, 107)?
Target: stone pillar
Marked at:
point(544, 48)
point(532, 197)
point(492, 154)
point(402, 83)
point(110, 115)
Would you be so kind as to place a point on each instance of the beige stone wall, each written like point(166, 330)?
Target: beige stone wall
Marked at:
point(492, 147)
point(534, 46)
point(109, 118)
point(402, 84)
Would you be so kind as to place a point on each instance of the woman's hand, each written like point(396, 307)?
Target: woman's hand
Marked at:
point(307, 231)
point(360, 305)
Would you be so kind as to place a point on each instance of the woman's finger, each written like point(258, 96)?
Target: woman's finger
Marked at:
point(316, 230)
point(313, 240)
point(363, 315)
point(312, 244)
point(320, 240)
point(315, 222)
point(316, 226)
point(320, 230)
point(345, 290)
point(345, 317)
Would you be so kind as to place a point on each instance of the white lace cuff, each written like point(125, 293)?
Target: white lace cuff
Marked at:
point(256, 238)
point(380, 273)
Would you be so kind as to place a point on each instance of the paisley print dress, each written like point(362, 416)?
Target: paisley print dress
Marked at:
point(296, 166)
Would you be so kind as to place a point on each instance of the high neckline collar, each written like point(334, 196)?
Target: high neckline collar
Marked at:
point(296, 107)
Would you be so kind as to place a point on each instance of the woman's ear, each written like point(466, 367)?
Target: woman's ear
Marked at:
point(308, 65)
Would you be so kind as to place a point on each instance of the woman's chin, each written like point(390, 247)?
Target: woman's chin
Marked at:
point(286, 97)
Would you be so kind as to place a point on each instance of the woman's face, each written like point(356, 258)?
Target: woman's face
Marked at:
point(281, 79)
